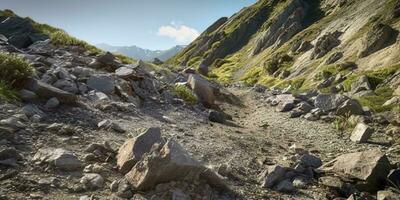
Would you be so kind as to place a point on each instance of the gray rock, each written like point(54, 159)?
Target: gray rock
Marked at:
point(350, 107)
point(92, 181)
point(102, 83)
point(27, 95)
point(203, 89)
point(47, 91)
point(285, 186)
point(59, 158)
point(369, 167)
point(52, 103)
point(259, 88)
point(133, 149)
point(275, 175)
point(325, 44)
point(31, 110)
point(300, 182)
point(171, 163)
point(311, 117)
point(392, 101)
point(309, 160)
point(98, 96)
point(333, 58)
point(124, 72)
point(216, 116)
point(285, 106)
point(379, 37)
point(329, 102)
point(362, 84)
point(12, 122)
point(66, 85)
point(361, 133)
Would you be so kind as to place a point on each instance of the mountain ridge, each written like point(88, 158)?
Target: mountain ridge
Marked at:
point(142, 53)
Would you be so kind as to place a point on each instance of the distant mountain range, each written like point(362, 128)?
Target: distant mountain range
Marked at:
point(142, 54)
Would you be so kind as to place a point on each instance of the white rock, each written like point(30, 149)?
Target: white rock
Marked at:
point(361, 133)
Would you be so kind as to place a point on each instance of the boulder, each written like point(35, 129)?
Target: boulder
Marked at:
point(92, 181)
point(275, 174)
point(329, 102)
point(52, 103)
point(203, 89)
point(285, 186)
point(369, 167)
point(27, 95)
point(216, 116)
point(308, 160)
point(59, 158)
point(362, 84)
point(66, 85)
point(124, 72)
point(102, 83)
point(361, 133)
point(171, 163)
point(285, 106)
point(133, 149)
point(47, 91)
point(350, 107)
point(380, 36)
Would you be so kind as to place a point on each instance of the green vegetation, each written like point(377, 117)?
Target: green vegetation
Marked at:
point(13, 71)
point(185, 93)
point(125, 59)
point(224, 73)
point(375, 102)
point(62, 38)
point(341, 123)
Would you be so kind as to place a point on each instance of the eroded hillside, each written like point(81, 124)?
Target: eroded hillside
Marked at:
point(304, 44)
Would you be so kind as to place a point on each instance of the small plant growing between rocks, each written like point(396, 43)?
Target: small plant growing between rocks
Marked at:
point(185, 93)
point(13, 69)
point(341, 123)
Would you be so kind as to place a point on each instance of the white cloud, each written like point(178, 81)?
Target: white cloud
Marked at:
point(182, 34)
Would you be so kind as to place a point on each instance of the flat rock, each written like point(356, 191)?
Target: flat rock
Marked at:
point(59, 158)
point(102, 83)
point(47, 91)
point(370, 167)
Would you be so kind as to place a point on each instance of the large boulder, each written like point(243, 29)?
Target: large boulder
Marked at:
point(133, 149)
point(59, 158)
point(171, 163)
point(380, 36)
point(47, 91)
point(102, 83)
point(370, 168)
point(329, 102)
point(203, 89)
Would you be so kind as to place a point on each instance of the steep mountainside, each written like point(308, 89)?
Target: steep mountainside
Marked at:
point(305, 44)
point(142, 54)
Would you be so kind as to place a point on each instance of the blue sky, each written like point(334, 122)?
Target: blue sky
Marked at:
point(152, 24)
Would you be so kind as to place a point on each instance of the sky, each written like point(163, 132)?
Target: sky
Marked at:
point(151, 24)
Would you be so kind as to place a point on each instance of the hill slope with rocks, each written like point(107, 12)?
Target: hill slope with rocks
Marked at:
point(80, 123)
point(142, 54)
point(331, 45)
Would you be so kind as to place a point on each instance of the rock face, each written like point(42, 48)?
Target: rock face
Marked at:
point(19, 31)
point(203, 89)
point(369, 167)
point(361, 133)
point(133, 149)
point(379, 37)
point(59, 158)
point(171, 163)
point(288, 24)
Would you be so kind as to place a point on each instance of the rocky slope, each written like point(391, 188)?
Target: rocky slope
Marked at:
point(306, 44)
point(142, 54)
point(79, 123)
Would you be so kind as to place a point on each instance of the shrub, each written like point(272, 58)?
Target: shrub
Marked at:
point(6, 93)
point(13, 69)
point(185, 93)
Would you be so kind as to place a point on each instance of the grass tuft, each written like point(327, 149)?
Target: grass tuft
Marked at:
point(185, 93)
